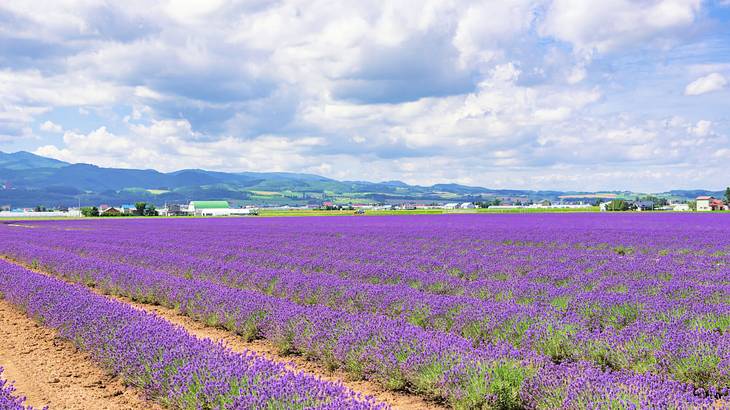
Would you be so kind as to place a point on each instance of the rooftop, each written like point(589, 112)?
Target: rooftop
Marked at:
point(210, 204)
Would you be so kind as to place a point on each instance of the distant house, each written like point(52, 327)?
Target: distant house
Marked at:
point(127, 209)
point(452, 205)
point(209, 208)
point(643, 205)
point(708, 203)
point(680, 207)
point(703, 203)
point(467, 205)
point(244, 211)
point(173, 210)
point(110, 211)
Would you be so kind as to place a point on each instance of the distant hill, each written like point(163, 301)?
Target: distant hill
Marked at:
point(25, 160)
point(29, 180)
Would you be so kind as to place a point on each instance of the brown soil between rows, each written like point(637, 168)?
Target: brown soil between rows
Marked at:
point(50, 371)
point(397, 400)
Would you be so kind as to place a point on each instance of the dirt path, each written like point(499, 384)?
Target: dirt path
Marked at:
point(50, 371)
point(397, 400)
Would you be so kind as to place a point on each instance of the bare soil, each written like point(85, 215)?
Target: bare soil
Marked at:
point(50, 371)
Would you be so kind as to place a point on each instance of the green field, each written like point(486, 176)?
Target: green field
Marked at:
point(317, 212)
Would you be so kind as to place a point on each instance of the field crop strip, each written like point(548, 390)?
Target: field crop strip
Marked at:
point(167, 363)
point(536, 311)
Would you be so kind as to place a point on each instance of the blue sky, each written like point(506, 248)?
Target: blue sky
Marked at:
point(562, 94)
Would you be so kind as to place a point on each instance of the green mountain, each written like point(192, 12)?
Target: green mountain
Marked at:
point(28, 180)
point(22, 160)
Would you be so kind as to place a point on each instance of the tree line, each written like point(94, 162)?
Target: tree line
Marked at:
point(140, 209)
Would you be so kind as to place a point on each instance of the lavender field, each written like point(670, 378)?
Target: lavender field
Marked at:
point(536, 311)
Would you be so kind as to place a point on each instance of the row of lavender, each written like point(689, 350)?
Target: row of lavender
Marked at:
point(168, 364)
point(657, 310)
point(611, 329)
point(224, 243)
point(8, 399)
point(399, 356)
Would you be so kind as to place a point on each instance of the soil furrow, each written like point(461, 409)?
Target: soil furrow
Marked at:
point(50, 371)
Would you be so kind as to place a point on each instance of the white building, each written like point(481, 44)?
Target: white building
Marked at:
point(467, 205)
point(217, 208)
point(703, 203)
point(209, 208)
point(680, 207)
point(244, 211)
point(71, 213)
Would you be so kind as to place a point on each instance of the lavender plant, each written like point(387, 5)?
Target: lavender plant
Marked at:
point(472, 310)
point(8, 399)
point(169, 365)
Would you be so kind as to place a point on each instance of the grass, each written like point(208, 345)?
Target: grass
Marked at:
point(536, 210)
point(699, 369)
point(264, 212)
point(561, 302)
point(557, 343)
point(716, 323)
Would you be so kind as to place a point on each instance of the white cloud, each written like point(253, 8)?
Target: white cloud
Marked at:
point(499, 113)
point(170, 145)
point(616, 154)
point(486, 26)
point(577, 74)
point(426, 91)
point(703, 85)
point(50, 126)
point(607, 25)
point(703, 128)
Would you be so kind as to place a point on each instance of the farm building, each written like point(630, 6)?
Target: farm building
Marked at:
point(173, 210)
point(643, 205)
point(110, 211)
point(128, 209)
point(708, 203)
point(244, 211)
point(209, 208)
point(467, 205)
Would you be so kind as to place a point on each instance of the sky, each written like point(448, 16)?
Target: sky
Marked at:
point(545, 94)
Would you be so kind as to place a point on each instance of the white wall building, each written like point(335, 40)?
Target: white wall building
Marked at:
point(209, 208)
point(72, 213)
point(703, 203)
